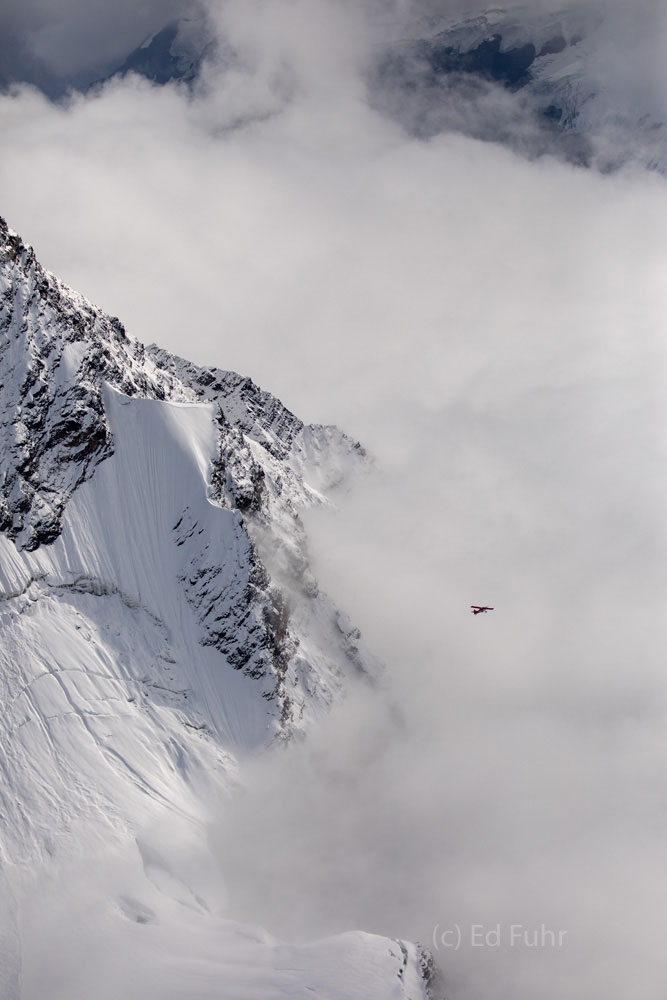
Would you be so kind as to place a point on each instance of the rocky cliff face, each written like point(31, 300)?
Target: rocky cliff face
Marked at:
point(60, 354)
point(158, 624)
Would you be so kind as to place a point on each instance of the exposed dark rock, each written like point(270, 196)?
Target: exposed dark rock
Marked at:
point(553, 113)
point(487, 60)
point(58, 353)
point(553, 46)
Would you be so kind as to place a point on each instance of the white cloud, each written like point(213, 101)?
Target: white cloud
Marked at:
point(492, 330)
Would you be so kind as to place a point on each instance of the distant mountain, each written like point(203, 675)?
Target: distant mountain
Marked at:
point(176, 52)
point(542, 83)
point(159, 622)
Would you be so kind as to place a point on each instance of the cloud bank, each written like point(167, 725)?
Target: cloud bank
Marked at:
point(492, 330)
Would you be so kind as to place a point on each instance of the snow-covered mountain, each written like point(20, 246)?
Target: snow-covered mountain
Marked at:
point(175, 52)
point(158, 623)
point(542, 81)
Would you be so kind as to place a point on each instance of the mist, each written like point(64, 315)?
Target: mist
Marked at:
point(54, 44)
point(492, 330)
point(509, 772)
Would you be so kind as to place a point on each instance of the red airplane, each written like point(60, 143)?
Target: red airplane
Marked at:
point(477, 609)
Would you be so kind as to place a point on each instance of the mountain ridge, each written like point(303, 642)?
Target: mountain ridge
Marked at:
point(539, 81)
point(76, 395)
point(159, 626)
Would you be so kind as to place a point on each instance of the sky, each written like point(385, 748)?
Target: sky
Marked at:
point(492, 330)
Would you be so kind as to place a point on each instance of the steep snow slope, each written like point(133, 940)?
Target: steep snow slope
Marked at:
point(183, 481)
point(173, 53)
point(158, 622)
